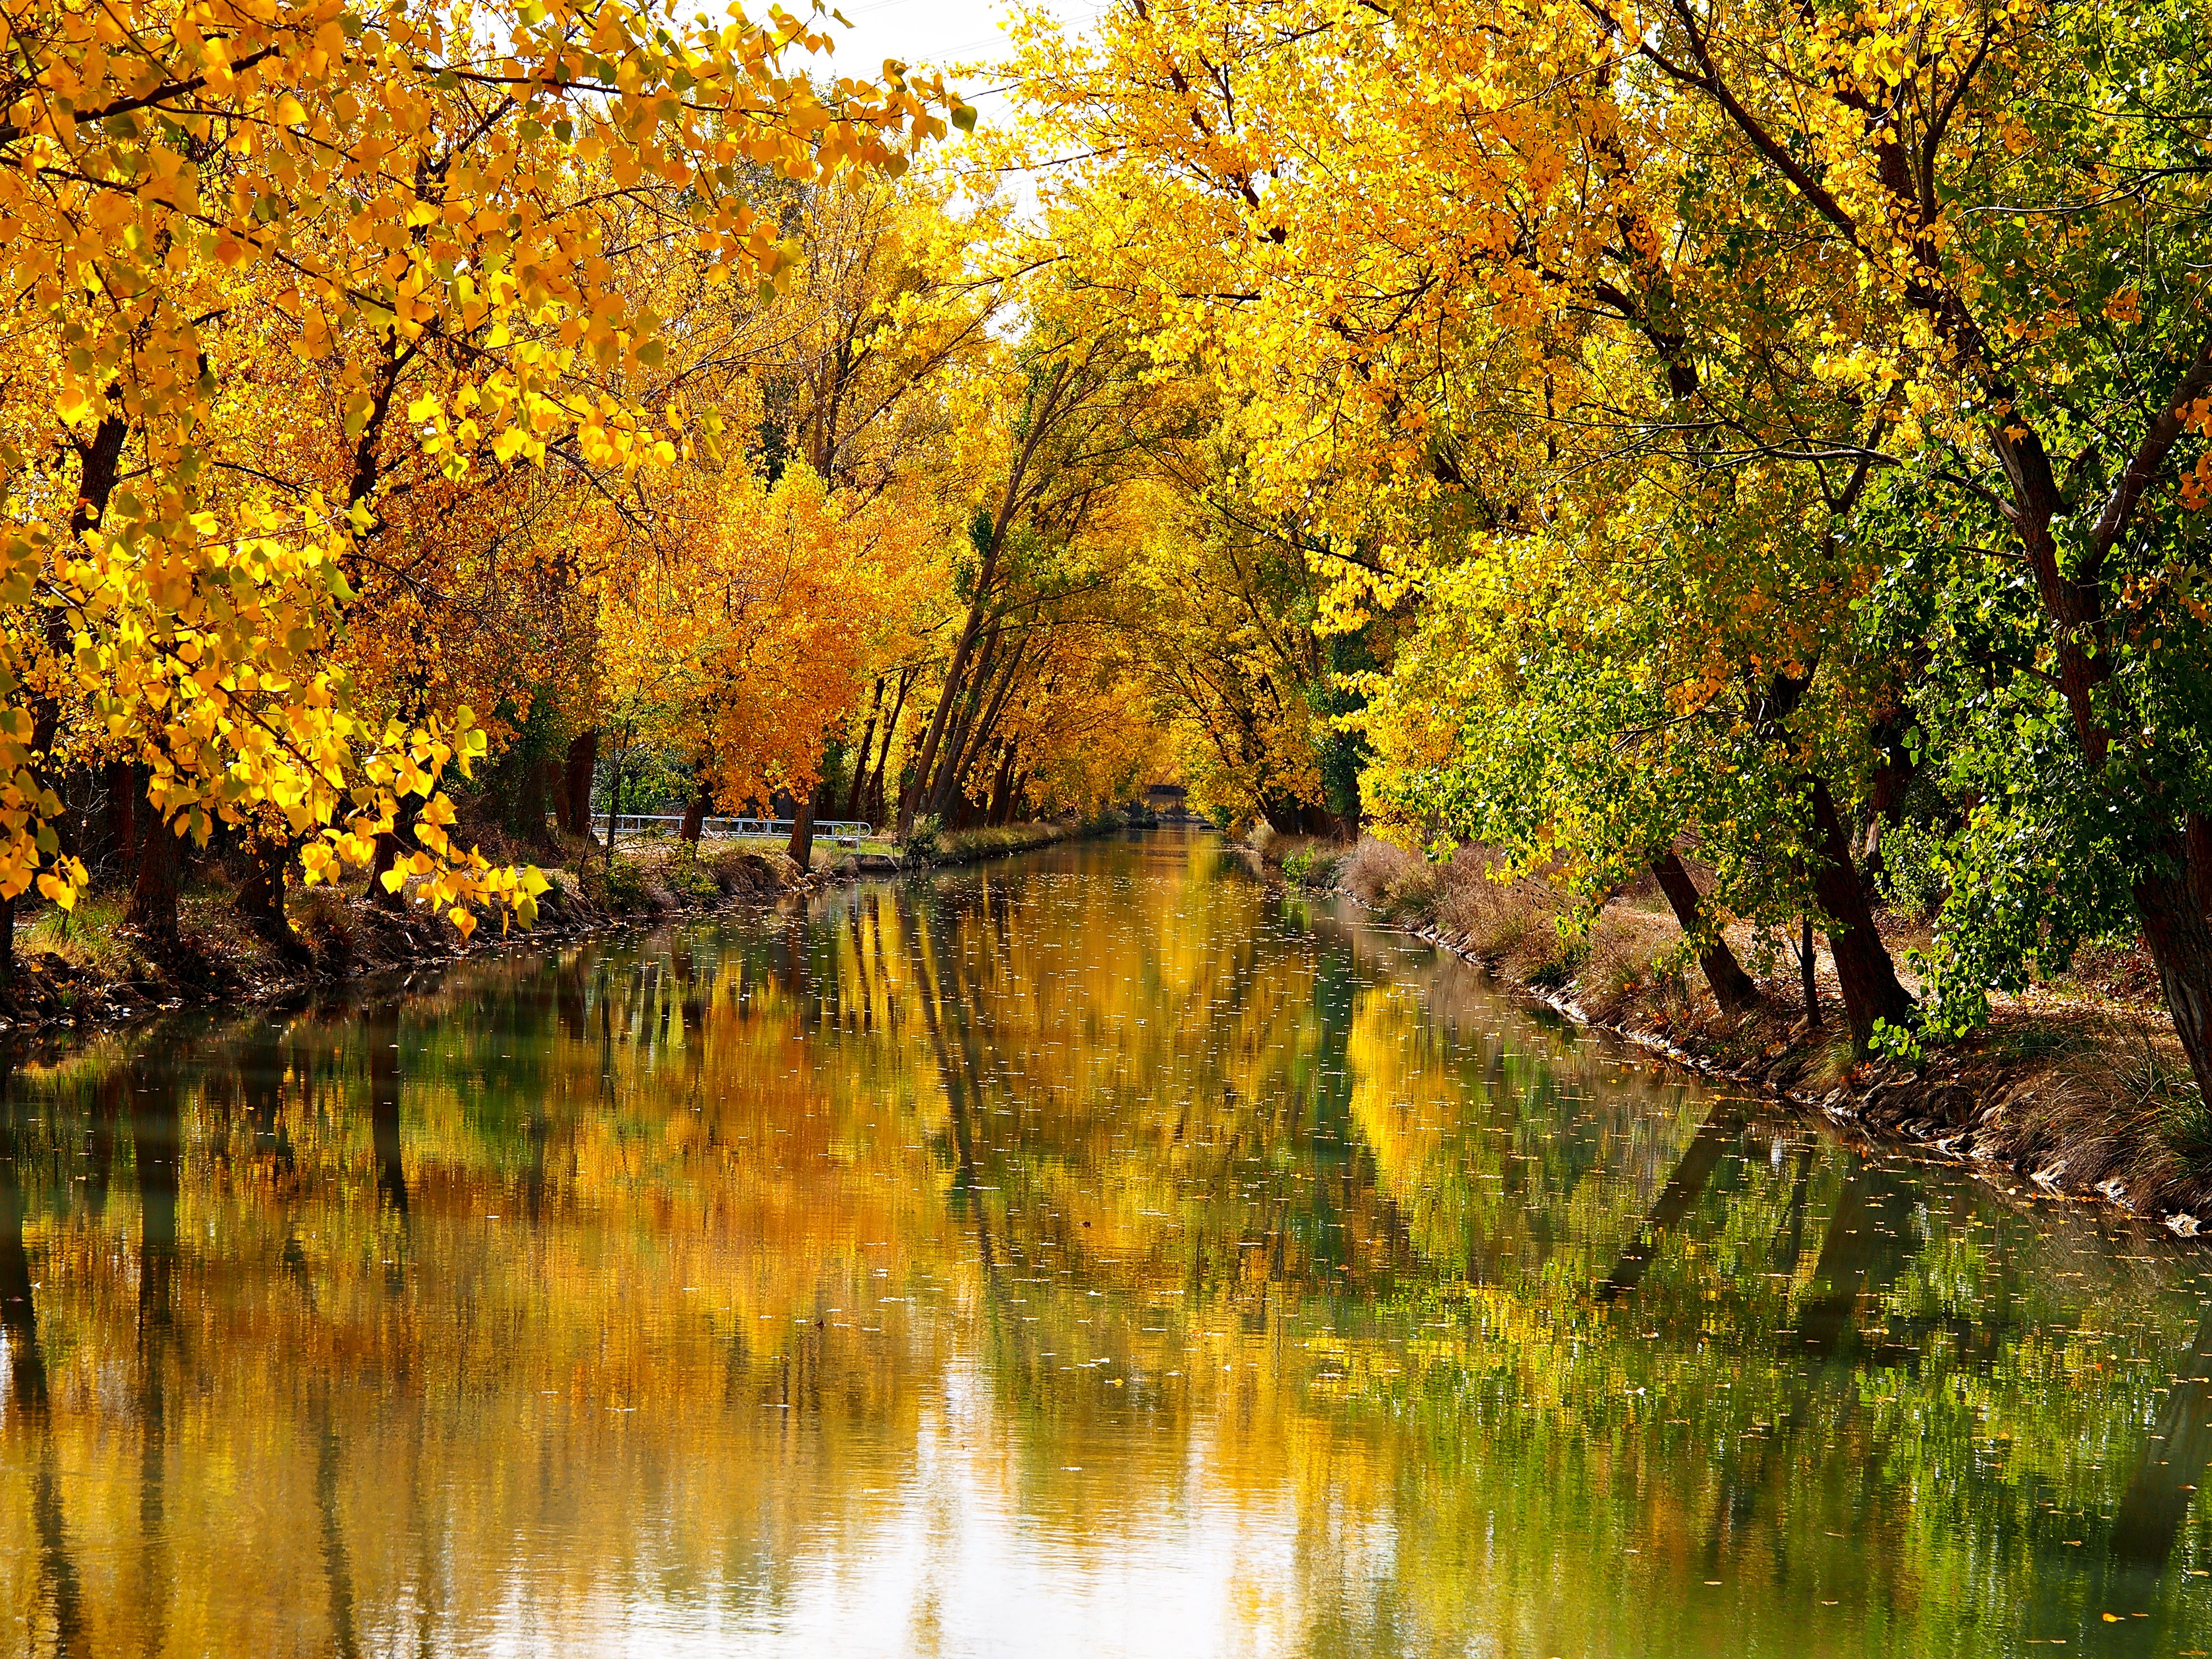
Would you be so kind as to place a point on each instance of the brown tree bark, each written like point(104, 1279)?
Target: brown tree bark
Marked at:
point(261, 897)
point(695, 819)
point(1863, 971)
point(860, 755)
point(389, 848)
point(801, 845)
point(1807, 965)
point(1002, 790)
point(155, 882)
point(127, 810)
point(576, 771)
point(1733, 988)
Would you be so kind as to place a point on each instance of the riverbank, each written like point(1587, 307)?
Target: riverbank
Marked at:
point(2076, 1090)
point(89, 970)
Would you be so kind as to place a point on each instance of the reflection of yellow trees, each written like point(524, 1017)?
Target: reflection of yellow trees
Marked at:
point(1095, 1222)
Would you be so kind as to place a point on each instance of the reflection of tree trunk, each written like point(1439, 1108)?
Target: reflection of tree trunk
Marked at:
point(959, 1089)
point(19, 1316)
point(154, 1139)
point(382, 1029)
point(2150, 1515)
point(1676, 1199)
point(338, 1574)
point(153, 1148)
point(1867, 1244)
point(261, 1086)
point(27, 1370)
point(1793, 1243)
point(55, 1567)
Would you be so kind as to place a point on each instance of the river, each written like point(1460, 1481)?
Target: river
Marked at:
point(1089, 1254)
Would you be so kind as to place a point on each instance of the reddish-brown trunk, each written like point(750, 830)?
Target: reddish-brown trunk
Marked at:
point(801, 847)
point(1864, 972)
point(861, 754)
point(1733, 988)
point(155, 882)
point(126, 808)
point(576, 772)
point(2180, 942)
point(695, 819)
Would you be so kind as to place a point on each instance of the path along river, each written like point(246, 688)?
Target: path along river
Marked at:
point(1090, 1254)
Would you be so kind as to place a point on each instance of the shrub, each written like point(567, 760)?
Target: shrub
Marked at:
point(925, 841)
point(624, 886)
point(1312, 866)
point(1375, 866)
point(690, 879)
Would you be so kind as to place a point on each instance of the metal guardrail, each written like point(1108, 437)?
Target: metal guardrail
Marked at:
point(844, 832)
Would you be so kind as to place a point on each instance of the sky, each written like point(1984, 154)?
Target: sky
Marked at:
point(935, 32)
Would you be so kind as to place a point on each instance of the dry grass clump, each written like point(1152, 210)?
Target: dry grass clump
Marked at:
point(2116, 1102)
point(1636, 964)
point(90, 938)
point(1376, 869)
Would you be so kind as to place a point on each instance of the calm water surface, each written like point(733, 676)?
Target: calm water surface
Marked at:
point(1089, 1254)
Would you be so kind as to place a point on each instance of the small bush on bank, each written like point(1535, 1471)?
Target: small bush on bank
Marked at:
point(925, 842)
point(1374, 867)
point(691, 880)
point(90, 938)
point(1314, 867)
point(624, 886)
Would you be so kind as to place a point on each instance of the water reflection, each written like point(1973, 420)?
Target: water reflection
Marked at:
point(1090, 1254)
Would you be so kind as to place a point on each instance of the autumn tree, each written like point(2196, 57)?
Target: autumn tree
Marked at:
point(393, 183)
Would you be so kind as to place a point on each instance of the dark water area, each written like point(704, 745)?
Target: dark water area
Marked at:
point(1088, 1253)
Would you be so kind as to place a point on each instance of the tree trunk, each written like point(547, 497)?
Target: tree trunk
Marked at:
point(127, 809)
point(261, 898)
point(861, 756)
point(875, 798)
point(1732, 987)
point(542, 779)
point(695, 819)
point(576, 773)
point(1806, 965)
point(1002, 790)
point(2180, 942)
point(159, 873)
point(802, 831)
point(614, 799)
point(1863, 970)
